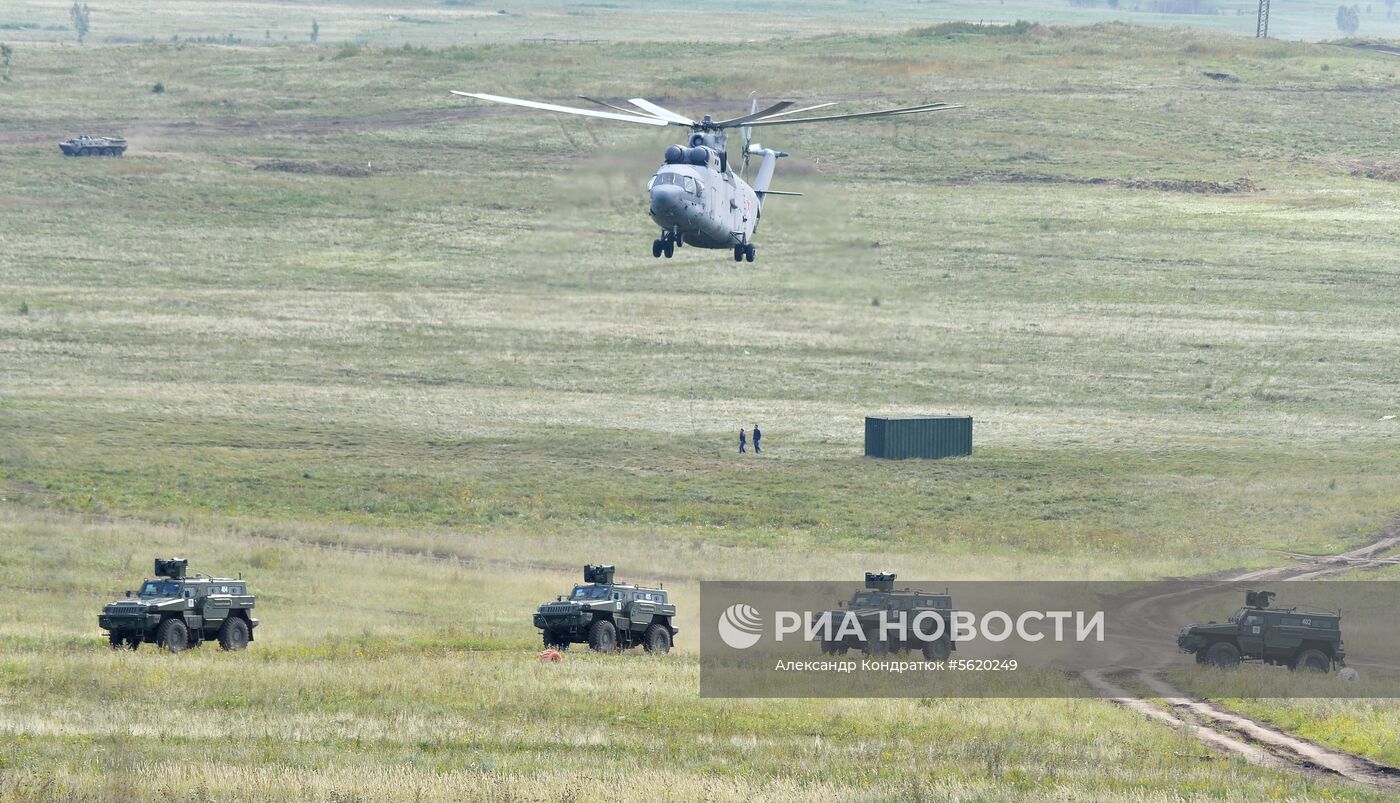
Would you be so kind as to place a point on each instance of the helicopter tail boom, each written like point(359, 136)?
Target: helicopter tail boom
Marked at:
point(765, 170)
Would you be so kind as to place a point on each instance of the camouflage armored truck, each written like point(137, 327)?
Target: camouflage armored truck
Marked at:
point(879, 595)
point(608, 616)
point(93, 146)
point(176, 612)
point(1293, 637)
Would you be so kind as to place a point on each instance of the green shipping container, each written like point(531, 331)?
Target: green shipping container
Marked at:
point(929, 436)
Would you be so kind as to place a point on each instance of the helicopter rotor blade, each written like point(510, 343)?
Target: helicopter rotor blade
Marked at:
point(755, 114)
point(929, 107)
point(785, 113)
point(657, 111)
point(550, 107)
point(605, 104)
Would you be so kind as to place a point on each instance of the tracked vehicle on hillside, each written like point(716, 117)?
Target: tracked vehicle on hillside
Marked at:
point(93, 146)
point(177, 612)
point(1297, 638)
point(608, 616)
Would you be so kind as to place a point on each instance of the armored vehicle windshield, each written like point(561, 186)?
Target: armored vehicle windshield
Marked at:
point(161, 588)
point(590, 592)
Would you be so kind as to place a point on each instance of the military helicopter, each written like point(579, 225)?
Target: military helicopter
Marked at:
point(696, 198)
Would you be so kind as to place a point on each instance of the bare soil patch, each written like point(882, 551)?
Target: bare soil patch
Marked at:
point(314, 168)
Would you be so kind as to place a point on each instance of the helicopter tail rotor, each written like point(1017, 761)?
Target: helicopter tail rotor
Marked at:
point(747, 131)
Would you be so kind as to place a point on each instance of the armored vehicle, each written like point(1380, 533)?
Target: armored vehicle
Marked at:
point(93, 146)
point(176, 612)
point(608, 616)
point(1293, 637)
point(879, 596)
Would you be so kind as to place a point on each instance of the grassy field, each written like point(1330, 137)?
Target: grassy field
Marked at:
point(406, 362)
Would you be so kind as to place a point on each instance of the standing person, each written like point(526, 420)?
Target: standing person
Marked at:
point(742, 440)
point(756, 435)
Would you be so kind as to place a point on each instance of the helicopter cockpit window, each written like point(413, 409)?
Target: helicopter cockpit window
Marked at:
point(670, 178)
point(689, 185)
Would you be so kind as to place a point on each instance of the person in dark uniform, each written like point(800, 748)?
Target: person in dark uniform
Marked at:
point(742, 440)
point(756, 435)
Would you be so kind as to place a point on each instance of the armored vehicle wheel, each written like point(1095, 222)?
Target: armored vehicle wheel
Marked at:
point(1312, 661)
point(173, 635)
point(552, 642)
point(234, 634)
point(657, 639)
point(656, 248)
point(937, 650)
point(602, 636)
point(750, 252)
point(1223, 655)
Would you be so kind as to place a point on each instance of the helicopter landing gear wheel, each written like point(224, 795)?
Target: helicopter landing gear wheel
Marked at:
point(738, 253)
point(656, 248)
point(750, 252)
point(679, 238)
point(668, 246)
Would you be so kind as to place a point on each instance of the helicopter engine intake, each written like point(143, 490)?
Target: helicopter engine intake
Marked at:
point(681, 155)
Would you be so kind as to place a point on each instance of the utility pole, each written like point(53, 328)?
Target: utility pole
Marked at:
point(1261, 28)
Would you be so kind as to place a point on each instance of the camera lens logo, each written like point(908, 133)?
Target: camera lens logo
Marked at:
point(740, 626)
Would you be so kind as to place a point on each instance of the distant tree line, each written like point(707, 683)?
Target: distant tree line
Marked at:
point(1348, 19)
point(82, 20)
point(1155, 6)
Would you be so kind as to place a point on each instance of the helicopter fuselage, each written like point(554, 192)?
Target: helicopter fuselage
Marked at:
point(696, 196)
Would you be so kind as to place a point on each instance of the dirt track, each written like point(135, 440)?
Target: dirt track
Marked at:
point(275, 124)
point(1224, 730)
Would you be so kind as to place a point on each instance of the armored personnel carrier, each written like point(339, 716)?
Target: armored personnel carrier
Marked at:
point(1293, 637)
point(608, 616)
point(177, 612)
point(879, 596)
point(93, 146)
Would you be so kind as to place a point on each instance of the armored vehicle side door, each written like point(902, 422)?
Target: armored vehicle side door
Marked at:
point(620, 599)
point(1287, 631)
point(1252, 627)
point(194, 606)
point(217, 604)
point(647, 606)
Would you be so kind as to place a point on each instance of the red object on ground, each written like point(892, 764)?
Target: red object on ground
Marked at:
point(551, 656)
